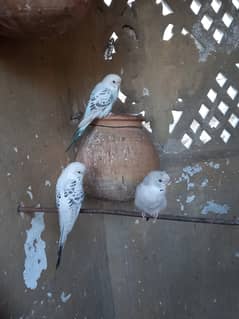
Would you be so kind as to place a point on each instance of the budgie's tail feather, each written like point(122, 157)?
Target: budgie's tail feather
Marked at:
point(79, 131)
point(59, 254)
point(60, 247)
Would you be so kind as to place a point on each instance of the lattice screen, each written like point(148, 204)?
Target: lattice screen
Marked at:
point(214, 117)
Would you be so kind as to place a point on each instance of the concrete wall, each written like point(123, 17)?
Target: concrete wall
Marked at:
point(117, 267)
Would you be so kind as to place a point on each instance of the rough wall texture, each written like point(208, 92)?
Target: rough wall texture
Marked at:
point(114, 267)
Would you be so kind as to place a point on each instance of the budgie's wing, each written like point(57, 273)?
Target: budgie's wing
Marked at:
point(69, 199)
point(72, 196)
point(100, 102)
point(99, 106)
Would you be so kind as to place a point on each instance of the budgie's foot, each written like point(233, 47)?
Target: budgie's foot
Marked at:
point(144, 216)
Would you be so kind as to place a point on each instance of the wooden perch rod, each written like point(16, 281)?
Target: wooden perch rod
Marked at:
point(169, 217)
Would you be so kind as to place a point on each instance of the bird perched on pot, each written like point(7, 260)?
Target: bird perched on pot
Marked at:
point(69, 198)
point(101, 100)
point(150, 195)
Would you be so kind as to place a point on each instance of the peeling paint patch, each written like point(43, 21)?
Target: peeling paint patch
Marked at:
point(64, 297)
point(188, 172)
point(190, 199)
point(190, 186)
point(213, 207)
point(145, 92)
point(181, 207)
point(180, 203)
point(192, 170)
point(47, 183)
point(35, 261)
point(204, 182)
point(213, 165)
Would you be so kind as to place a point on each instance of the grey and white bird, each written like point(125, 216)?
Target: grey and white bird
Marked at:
point(69, 198)
point(100, 104)
point(150, 195)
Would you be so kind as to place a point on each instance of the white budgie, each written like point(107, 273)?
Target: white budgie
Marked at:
point(150, 193)
point(101, 100)
point(69, 198)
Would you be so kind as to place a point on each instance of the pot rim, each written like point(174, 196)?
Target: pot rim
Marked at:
point(121, 117)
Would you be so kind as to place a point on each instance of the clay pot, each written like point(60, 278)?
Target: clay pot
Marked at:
point(44, 17)
point(118, 153)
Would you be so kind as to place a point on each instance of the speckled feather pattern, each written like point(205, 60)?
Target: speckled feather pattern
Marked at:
point(100, 103)
point(69, 198)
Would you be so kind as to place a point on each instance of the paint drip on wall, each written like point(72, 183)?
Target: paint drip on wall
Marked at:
point(35, 261)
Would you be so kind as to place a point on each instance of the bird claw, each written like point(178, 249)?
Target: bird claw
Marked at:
point(144, 216)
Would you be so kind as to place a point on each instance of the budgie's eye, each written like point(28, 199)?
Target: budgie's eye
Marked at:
point(114, 81)
point(79, 172)
point(160, 181)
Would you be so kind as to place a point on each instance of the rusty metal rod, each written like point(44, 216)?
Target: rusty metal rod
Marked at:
point(136, 214)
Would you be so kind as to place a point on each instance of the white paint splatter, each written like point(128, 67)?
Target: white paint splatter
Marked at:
point(35, 261)
point(190, 186)
point(213, 207)
point(204, 182)
point(64, 297)
point(188, 172)
point(136, 221)
point(145, 92)
point(213, 165)
point(28, 156)
point(190, 199)
point(9, 174)
point(15, 149)
point(36, 136)
point(180, 203)
point(181, 207)
point(47, 183)
point(49, 295)
point(192, 170)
